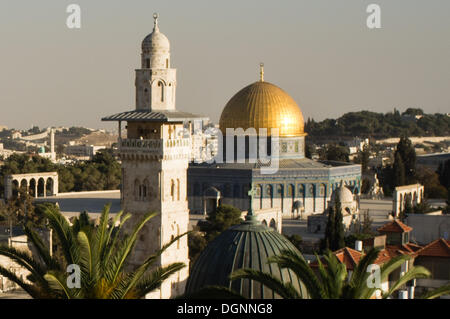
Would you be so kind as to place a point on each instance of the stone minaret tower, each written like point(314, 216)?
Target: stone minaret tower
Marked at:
point(155, 80)
point(155, 158)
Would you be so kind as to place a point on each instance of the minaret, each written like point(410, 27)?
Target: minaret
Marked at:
point(155, 156)
point(155, 80)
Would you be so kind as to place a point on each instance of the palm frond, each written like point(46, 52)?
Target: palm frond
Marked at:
point(42, 249)
point(413, 273)
point(29, 289)
point(57, 282)
point(136, 276)
point(295, 262)
point(25, 260)
point(123, 251)
point(155, 279)
point(285, 290)
point(65, 235)
point(436, 293)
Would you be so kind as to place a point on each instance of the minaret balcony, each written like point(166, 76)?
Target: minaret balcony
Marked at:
point(167, 149)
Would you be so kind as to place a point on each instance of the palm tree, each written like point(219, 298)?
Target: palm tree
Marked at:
point(101, 252)
point(332, 281)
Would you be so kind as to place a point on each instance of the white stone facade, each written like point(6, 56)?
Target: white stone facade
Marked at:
point(37, 184)
point(155, 157)
point(402, 194)
point(155, 81)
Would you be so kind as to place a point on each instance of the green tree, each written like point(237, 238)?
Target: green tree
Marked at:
point(330, 229)
point(309, 150)
point(222, 218)
point(444, 173)
point(339, 239)
point(332, 280)
point(335, 152)
point(102, 253)
point(408, 210)
point(296, 240)
point(197, 243)
point(399, 171)
point(431, 182)
point(406, 152)
point(334, 231)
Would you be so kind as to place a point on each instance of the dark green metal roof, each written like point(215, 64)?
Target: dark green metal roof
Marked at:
point(247, 245)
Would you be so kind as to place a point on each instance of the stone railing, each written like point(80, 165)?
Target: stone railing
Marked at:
point(170, 147)
point(153, 146)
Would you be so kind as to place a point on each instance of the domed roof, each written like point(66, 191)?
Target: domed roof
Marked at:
point(345, 195)
point(247, 245)
point(156, 39)
point(263, 105)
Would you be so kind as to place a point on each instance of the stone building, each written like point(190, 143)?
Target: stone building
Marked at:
point(157, 175)
point(349, 210)
point(155, 158)
point(296, 186)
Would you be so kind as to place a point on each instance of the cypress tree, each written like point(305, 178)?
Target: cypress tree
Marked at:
point(399, 171)
point(329, 230)
point(339, 236)
point(408, 155)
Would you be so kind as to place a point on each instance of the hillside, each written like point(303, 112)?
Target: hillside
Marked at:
point(412, 122)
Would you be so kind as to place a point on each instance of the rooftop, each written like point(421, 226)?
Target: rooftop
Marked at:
point(438, 248)
point(394, 226)
point(150, 116)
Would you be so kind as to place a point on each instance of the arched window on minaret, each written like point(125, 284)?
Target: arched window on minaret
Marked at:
point(178, 234)
point(136, 189)
point(172, 189)
point(161, 85)
point(178, 189)
point(167, 63)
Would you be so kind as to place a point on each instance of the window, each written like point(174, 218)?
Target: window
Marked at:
point(172, 189)
point(147, 63)
point(290, 190)
point(161, 85)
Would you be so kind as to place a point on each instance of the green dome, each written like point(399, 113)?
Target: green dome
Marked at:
point(247, 245)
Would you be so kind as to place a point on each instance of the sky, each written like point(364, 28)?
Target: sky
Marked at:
point(321, 52)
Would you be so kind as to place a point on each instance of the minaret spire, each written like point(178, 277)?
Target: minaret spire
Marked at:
point(155, 23)
point(261, 72)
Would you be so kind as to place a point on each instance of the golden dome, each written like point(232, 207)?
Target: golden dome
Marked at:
point(263, 105)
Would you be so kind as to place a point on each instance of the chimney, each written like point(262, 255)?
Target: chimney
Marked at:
point(358, 245)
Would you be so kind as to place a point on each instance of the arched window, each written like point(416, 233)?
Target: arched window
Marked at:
point(161, 85)
point(273, 224)
point(280, 191)
point(178, 234)
point(259, 194)
point(145, 186)
point(137, 189)
point(167, 63)
point(172, 189)
point(290, 191)
point(178, 189)
point(147, 63)
point(269, 192)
